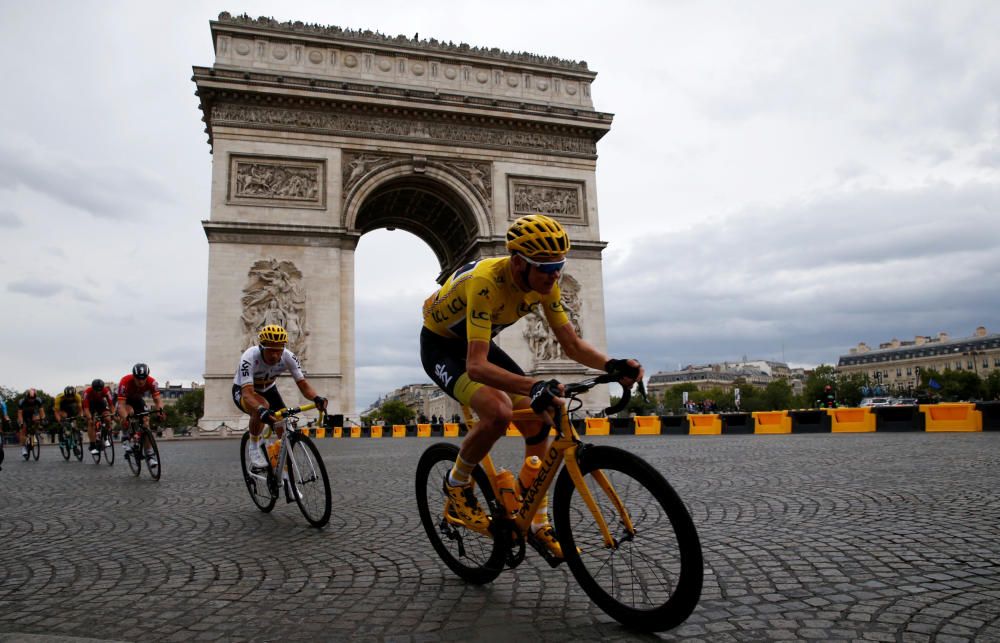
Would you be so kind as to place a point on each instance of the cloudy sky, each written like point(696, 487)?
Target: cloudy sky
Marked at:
point(782, 179)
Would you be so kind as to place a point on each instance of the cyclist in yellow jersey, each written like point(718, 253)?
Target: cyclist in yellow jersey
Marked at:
point(68, 404)
point(457, 351)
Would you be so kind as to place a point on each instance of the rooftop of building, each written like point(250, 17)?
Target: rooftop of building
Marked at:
point(922, 345)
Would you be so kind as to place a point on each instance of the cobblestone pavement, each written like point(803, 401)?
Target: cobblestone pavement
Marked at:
point(884, 537)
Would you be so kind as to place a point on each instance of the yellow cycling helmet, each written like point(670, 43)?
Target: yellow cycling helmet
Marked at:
point(536, 235)
point(273, 334)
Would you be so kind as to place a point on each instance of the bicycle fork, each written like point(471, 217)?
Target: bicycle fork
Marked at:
point(573, 467)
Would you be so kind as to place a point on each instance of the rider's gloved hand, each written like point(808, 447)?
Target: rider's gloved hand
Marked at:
point(264, 414)
point(543, 394)
point(622, 368)
point(320, 402)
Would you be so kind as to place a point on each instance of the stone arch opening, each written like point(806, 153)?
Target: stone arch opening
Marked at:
point(431, 204)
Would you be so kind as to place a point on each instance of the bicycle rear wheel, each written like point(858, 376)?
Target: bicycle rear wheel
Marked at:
point(308, 481)
point(107, 445)
point(256, 483)
point(650, 580)
point(151, 454)
point(64, 447)
point(475, 557)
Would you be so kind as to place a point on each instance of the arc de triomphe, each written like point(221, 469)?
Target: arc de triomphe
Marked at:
point(320, 134)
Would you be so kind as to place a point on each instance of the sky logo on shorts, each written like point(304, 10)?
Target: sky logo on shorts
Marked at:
point(442, 374)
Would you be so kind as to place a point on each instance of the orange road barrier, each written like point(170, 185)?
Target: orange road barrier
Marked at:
point(771, 422)
point(423, 430)
point(399, 430)
point(852, 420)
point(450, 430)
point(598, 426)
point(647, 424)
point(705, 424)
point(956, 416)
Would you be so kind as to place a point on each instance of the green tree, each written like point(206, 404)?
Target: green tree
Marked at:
point(953, 386)
point(187, 410)
point(395, 412)
point(991, 386)
point(673, 397)
point(777, 395)
point(822, 376)
point(848, 388)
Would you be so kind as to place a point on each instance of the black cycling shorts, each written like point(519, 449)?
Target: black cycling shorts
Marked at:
point(444, 359)
point(272, 396)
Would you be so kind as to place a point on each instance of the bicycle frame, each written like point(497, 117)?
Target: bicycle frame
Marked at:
point(289, 418)
point(563, 450)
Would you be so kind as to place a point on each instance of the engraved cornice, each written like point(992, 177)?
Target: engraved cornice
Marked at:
point(269, 233)
point(368, 125)
point(368, 37)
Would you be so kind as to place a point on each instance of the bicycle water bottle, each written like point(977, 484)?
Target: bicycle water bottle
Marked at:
point(273, 450)
point(529, 471)
point(508, 495)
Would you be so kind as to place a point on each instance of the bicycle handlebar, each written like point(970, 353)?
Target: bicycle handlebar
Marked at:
point(578, 388)
point(295, 410)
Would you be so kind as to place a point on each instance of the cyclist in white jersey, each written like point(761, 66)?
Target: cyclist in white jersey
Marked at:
point(255, 391)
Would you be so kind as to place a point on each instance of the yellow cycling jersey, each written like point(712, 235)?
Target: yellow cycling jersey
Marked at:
point(68, 403)
point(481, 298)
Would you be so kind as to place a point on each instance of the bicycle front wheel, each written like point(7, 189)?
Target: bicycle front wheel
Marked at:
point(256, 482)
point(36, 445)
point(648, 579)
point(107, 446)
point(133, 455)
point(64, 447)
point(474, 557)
point(151, 453)
point(307, 480)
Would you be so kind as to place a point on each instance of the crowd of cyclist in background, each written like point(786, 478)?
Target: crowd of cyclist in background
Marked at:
point(99, 400)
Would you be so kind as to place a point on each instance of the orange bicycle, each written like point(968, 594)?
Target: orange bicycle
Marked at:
point(625, 533)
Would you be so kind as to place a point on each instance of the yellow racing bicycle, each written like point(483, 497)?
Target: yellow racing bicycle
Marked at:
point(625, 533)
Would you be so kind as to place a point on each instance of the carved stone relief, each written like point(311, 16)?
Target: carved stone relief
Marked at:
point(477, 176)
point(560, 199)
point(541, 341)
point(274, 295)
point(272, 181)
point(371, 125)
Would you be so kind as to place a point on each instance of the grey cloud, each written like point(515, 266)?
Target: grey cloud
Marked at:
point(10, 220)
point(815, 278)
point(35, 288)
point(104, 191)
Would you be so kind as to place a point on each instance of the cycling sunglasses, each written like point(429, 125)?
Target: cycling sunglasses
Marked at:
point(548, 267)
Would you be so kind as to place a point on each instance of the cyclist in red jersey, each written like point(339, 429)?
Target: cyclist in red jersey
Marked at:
point(97, 400)
point(131, 389)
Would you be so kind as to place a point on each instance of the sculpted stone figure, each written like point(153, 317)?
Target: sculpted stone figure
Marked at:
point(273, 295)
point(543, 344)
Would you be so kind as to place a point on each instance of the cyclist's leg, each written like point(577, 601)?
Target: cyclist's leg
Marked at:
point(444, 361)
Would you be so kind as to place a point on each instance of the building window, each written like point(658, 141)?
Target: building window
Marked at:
point(899, 372)
point(909, 371)
point(969, 365)
point(986, 362)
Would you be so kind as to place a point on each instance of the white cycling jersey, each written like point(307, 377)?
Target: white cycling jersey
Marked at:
point(253, 369)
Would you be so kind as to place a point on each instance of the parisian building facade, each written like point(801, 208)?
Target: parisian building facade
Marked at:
point(897, 364)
